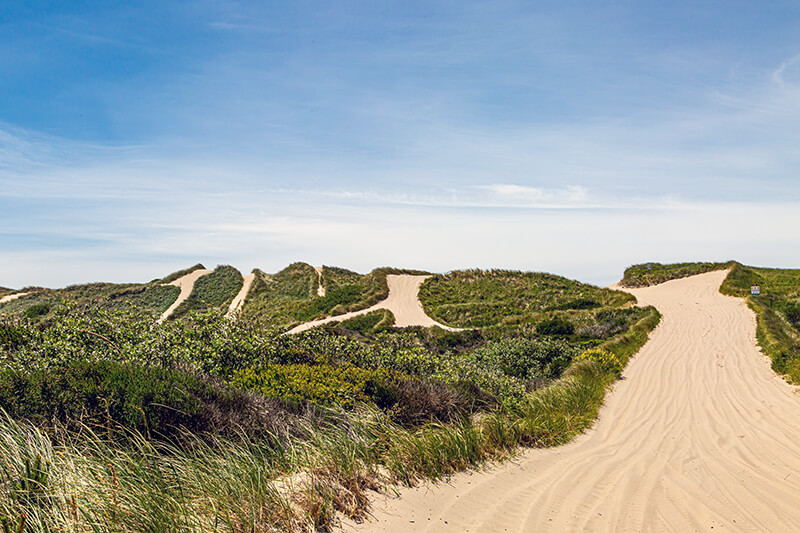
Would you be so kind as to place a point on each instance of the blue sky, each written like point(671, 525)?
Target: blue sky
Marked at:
point(573, 137)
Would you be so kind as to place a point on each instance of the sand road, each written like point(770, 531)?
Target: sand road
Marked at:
point(186, 284)
point(238, 301)
point(700, 435)
point(402, 301)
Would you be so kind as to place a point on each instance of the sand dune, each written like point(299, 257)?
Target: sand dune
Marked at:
point(700, 435)
point(403, 302)
point(12, 297)
point(186, 284)
point(238, 301)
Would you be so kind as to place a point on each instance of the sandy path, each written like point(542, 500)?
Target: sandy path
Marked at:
point(320, 287)
point(701, 435)
point(238, 301)
point(403, 302)
point(186, 284)
point(12, 297)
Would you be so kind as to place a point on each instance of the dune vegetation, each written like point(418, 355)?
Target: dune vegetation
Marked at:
point(653, 273)
point(114, 422)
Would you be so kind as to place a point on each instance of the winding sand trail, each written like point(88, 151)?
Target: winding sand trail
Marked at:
point(239, 299)
point(186, 284)
point(402, 301)
point(12, 297)
point(700, 435)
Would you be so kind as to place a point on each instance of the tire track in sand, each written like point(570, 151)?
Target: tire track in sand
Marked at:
point(700, 435)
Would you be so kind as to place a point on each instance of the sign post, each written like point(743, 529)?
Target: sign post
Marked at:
point(755, 290)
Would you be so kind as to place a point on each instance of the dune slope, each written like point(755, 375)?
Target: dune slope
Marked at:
point(700, 435)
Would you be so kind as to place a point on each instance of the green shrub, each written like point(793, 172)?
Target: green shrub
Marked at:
point(555, 326)
point(36, 311)
point(150, 400)
point(12, 335)
point(527, 358)
point(344, 386)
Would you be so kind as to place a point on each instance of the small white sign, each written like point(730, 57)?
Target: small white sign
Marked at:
point(755, 290)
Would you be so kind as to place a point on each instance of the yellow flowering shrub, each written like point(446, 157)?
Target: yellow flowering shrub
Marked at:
point(602, 358)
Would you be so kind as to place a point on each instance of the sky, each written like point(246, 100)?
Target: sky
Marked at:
point(572, 137)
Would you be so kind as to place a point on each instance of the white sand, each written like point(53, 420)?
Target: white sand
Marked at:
point(320, 287)
point(12, 297)
point(403, 302)
point(699, 434)
point(186, 284)
point(238, 301)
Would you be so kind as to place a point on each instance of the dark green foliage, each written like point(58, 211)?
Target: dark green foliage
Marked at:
point(555, 326)
point(526, 358)
point(37, 310)
point(107, 395)
point(12, 336)
point(579, 303)
point(212, 291)
point(641, 276)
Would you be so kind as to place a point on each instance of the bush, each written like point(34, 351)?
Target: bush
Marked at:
point(37, 310)
point(527, 359)
point(555, 326)
point(154, 401)
point(606, 360)
point(344, 386)
point(12, 336)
